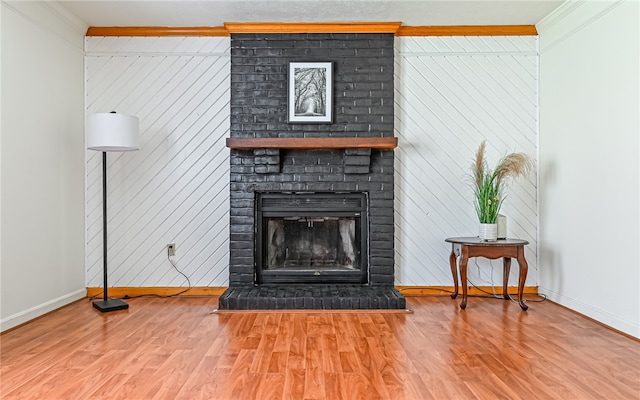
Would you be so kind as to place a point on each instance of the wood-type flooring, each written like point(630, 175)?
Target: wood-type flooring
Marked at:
point(173, 348)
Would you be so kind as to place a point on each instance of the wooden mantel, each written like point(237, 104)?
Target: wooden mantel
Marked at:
point(314, 143)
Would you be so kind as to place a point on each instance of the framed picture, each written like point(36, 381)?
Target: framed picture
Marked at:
point(310, 92)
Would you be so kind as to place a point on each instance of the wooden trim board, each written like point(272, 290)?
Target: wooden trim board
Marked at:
point(472, 291)
point(480, 30)
point(313, 143)
point(155, 291)
point(217, 291)
point(157, 31)
point(313, 27)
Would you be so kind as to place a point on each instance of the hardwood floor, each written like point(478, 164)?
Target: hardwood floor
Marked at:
point(174, 349)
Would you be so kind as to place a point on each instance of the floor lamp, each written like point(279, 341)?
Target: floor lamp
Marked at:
point(110, 132)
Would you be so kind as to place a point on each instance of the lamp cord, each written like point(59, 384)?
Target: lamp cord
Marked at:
point(173, 264)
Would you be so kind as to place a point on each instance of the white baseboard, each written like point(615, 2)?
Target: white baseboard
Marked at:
point(41, 309)
point(631, 328)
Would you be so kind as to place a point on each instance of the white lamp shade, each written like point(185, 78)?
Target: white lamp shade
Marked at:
point(112, 132)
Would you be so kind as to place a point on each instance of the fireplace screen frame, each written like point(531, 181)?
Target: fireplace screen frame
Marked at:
point(312, 205)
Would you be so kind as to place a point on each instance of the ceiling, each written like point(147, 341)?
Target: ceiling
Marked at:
point(217, 12)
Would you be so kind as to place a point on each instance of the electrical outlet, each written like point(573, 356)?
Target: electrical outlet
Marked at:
point(171, 249)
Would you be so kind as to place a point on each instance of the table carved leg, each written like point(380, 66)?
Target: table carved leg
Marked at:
point(506, 264)
point(454, 271)
point(524, 268)
point(464, 258)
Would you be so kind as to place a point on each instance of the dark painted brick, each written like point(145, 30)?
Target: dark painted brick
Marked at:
point(238, 237)
point(381, 253)
point(321, 187)
point(381, 203)
point(240, 244)
point(356, 160)
point(280, 177)
point(353, 169)
point(243, 269)
point(292, 187)
point(237, 194)
point(241, 203)
point(237, 281)
point(361, 182)
point(382, 220)
point(241, 229)
point(267, 160)
point(253, 178)
point(319, 169)
point(243, 252)
point(388, 178)
point(380, 235)
point(235, 169)
point(357, 152)
point(382, 279)
point(381, 212)
point(267, 169)
point(240, 190)
point(333, 178)
point(381, 270)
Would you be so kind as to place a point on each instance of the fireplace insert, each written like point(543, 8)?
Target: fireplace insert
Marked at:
point(311, 238)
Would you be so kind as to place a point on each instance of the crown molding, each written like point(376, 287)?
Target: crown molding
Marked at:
point(52, 18)
point(471, 30)
point(157, 31)
point(315, 27)
point(312, 27)
point(570, 18)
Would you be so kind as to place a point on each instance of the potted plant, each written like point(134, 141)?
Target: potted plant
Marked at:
point(489, 186)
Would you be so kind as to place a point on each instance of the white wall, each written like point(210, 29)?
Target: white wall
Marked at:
point(175, 189)
point(452, 93)
point(589, 161)
point(42, 184)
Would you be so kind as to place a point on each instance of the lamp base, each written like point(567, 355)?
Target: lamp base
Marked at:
point(110, 305)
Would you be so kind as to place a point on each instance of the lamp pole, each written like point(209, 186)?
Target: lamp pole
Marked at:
point(106, 304)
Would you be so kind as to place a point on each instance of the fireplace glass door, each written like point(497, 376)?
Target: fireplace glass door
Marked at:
point(311, 238)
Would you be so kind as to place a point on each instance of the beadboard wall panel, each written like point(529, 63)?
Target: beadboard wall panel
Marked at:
point(175, 188)
point(452, 93)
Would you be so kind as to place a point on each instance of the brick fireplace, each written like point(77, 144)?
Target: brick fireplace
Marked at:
point(295, 240)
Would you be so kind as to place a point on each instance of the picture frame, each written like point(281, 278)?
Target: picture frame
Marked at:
point(310, 94)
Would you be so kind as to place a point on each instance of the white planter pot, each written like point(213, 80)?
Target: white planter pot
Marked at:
point(488, 232)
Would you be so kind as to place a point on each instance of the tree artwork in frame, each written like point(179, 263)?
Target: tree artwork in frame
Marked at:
point(310, 92)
